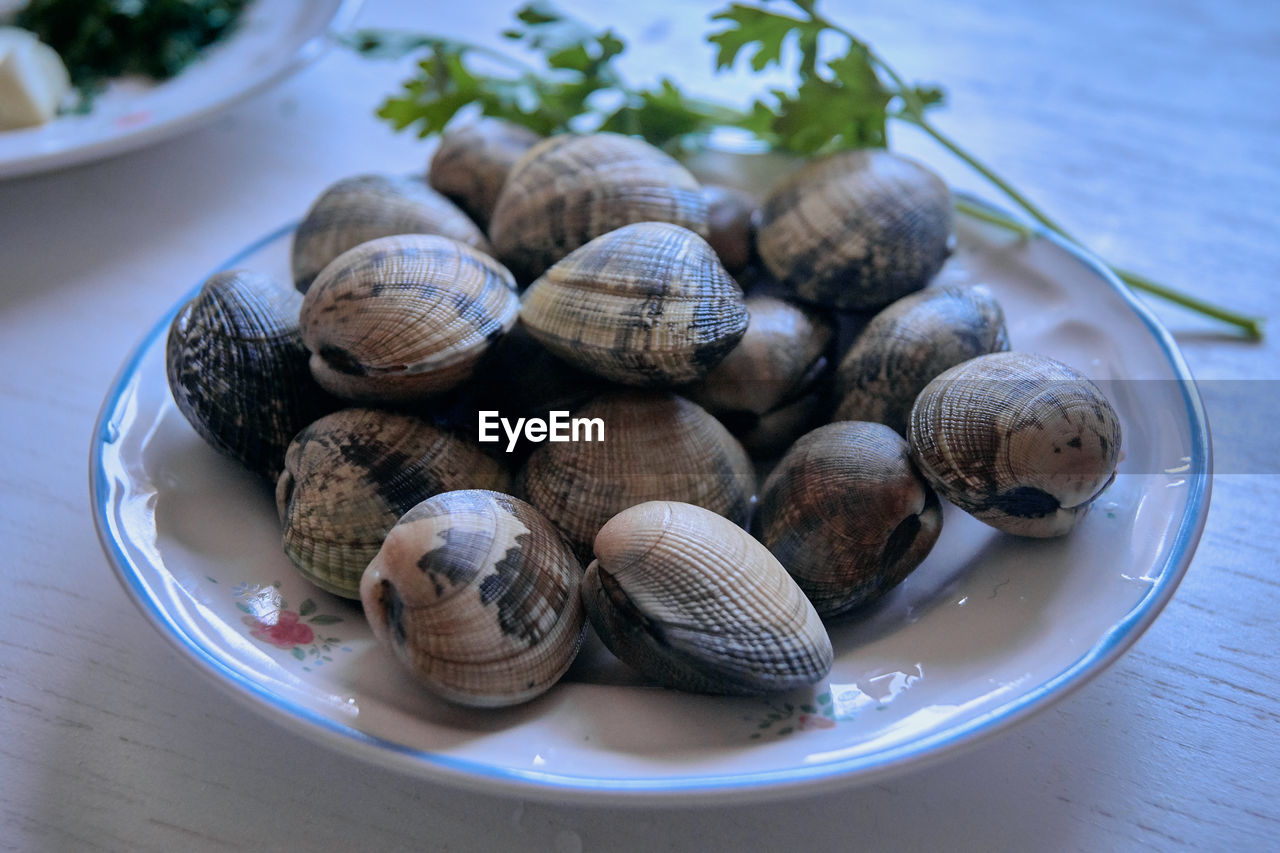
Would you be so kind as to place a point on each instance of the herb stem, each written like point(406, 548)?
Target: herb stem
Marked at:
point(913, 112)
point(1251, 326)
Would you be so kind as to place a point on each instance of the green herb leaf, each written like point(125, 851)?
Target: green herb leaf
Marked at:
point(761, 31)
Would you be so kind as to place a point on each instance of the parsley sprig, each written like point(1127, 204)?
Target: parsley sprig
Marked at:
point(845, 96)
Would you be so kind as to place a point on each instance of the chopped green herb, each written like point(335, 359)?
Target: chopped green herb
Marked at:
point(102, 39)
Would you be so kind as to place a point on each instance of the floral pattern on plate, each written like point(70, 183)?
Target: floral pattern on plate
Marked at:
point(270, 621)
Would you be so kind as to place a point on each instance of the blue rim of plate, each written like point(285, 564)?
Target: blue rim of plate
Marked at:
point(790, 781)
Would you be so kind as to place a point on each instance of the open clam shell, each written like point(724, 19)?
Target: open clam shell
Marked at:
point(350, 475)
point(365, 207)
point(856, 229)
point(477, 594)
point(402, 318)
point(1020, 441)
point(238, 371)
point(570, 189)
point(692, 601)
point(847, 514)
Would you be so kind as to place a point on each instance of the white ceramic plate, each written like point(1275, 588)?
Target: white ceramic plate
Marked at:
point(990, 629)
point(274, 39)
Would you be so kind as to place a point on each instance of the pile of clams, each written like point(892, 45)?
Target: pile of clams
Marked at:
point(749, 473)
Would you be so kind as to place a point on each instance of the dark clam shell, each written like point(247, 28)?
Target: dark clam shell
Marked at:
point(471, 164)
point(909, 343)
point(847, 514)
point(856, 229)
point(238, 371)
point(770, 387)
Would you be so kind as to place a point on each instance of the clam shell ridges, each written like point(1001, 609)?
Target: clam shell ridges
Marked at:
point(909, 343)
point(570, 189)
point(647, 304)
point(693, 601)
point(778, 351)
point(1020, 441)
point(478, 595)
point(400, 318)
point(237, 369)
point(657, 447)
point(856, 229)
point(847, 514)
point(472, 162)
point(350, 475)
point(366, 207)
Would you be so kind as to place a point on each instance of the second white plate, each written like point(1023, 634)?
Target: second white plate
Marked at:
point(274, 39)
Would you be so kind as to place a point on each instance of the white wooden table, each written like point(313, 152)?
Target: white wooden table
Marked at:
point(1151, 128)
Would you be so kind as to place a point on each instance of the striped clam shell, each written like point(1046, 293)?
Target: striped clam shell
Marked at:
point(402, 318)
point(909, 343)
point(472, 161)
point(365, 207)
point(847, 514)
point(692, 601)
point(769, 388)
point(350, 475)
point(477, 594)
point(657, 446)
point(856, 229)
point(647, 304)
point(1020, 441)
point(570, 189)
point(238, 371)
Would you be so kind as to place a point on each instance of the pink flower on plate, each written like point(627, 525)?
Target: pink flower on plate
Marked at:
point(285, 633)
point(814, 721)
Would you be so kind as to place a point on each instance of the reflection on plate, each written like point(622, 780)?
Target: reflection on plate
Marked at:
point(273, 40)
point(988, 630)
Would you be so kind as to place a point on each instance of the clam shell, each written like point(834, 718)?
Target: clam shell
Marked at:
point(472, 161)
point(769, 387)
point(477, 594)
point(569, 189)
point(847, 514)
point(363, 208)
point(648, 304)
point(350, 475)
point(729, 225)
point(909, 343)
point(657, 446)
point(692, 601)
point(238, 371)
point(1021, 441)
point(401, 318)
point(856, 229)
